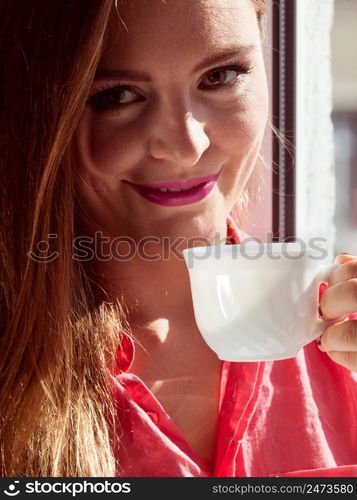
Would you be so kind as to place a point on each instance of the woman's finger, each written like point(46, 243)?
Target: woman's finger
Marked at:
point(340, 337)
point(346, 271)
point(339, 299)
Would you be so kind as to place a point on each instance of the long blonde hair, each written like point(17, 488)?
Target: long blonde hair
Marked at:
point(57, 338)
point(58, 333)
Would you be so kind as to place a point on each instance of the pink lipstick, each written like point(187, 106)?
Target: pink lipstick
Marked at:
point(175, 193)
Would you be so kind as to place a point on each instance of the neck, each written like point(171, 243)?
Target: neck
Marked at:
point(154, 285)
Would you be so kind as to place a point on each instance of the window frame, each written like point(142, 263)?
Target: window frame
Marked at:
point(284, 116)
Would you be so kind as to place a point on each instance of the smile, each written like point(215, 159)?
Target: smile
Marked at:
point(173, 193)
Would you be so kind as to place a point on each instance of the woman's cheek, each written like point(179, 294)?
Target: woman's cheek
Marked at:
point(109, 147)
point(237, 131)
point(249, 112)
point(239, 122)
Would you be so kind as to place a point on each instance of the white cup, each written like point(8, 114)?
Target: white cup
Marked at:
point(258, 301)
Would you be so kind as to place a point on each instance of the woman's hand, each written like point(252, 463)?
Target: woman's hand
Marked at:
point(339, 341)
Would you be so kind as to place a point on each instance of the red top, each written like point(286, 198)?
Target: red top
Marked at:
point(294, 417)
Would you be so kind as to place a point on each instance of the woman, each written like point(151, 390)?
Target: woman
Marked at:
point(109, 109)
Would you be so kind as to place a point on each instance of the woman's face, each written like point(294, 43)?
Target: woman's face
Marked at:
point(180, 95)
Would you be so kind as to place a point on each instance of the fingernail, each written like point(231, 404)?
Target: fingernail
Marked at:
point(322, 289)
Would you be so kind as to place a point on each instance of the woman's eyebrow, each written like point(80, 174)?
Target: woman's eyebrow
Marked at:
point(137, 76)
point(224, 54)
point(115, 74)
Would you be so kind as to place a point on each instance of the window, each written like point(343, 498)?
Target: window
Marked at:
point(344, 54)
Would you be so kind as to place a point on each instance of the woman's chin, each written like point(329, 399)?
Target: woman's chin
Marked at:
point(208, 226)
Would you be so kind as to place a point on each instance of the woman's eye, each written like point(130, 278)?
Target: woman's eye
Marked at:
point(222, 77)
point(113, 98)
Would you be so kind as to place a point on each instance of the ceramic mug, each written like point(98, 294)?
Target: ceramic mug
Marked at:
point(258, 301)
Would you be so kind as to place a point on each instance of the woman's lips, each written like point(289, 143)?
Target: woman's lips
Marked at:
point(187, 192)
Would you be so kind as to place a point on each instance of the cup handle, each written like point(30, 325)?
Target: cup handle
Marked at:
point(322, 276)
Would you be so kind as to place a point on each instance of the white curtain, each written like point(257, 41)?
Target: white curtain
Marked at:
point(315, 148)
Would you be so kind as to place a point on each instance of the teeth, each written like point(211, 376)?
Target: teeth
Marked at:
point(174, 190)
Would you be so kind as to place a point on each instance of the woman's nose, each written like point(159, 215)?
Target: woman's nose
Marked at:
point(178, 137)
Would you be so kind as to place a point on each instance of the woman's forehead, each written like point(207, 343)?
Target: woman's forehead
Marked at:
point(148, 29)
